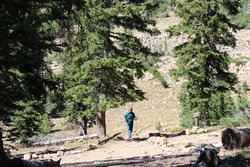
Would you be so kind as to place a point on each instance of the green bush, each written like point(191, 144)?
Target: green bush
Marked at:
point(45, 126)
point(229, 122)
point(243, 103)
point(158, 126)
point(29, 120)
point(187, 119)
point(220, 105)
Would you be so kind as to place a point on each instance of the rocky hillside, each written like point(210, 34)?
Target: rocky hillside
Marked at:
point(165, 44)
point(162, 105)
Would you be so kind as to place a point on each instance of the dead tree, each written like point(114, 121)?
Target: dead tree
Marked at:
point(235, 138)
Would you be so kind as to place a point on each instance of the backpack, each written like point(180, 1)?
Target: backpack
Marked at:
point(130, 117)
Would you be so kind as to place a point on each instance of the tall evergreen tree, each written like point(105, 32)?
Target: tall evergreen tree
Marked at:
point(105, 57)
point(26, 37)
point(200, 61)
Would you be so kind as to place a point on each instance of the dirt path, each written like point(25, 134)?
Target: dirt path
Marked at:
point(139, 152)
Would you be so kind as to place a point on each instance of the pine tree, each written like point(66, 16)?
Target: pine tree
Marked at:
point(221, 105)
point(200, 61)
point(54, 102)
point(100, 68)
point(28, 120)
point(26, 37)
point(243, 102)
point(80, 115)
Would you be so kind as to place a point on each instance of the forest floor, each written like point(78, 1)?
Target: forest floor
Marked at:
point(138, 151)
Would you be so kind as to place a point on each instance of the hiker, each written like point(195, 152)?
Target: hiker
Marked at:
point(130, 117)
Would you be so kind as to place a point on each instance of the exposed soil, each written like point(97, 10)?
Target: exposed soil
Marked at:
point(139, 152)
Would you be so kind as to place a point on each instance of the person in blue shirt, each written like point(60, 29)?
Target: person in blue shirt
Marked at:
point(129, 118)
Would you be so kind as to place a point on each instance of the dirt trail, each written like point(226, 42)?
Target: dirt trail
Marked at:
point(139, 152)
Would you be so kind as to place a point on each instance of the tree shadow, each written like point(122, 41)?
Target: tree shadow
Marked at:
point(241, 159)
point(138, 139)
point(158, 160)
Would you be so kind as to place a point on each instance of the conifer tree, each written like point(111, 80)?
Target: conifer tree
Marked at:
point(26, 37)
point(29, 119)
point(100, 68)
point(199, 59)
point(243, 102)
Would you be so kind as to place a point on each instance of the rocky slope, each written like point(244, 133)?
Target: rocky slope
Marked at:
point(162, 104)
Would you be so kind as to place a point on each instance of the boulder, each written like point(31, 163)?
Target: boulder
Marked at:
point(34, 156)
point(200, 131)
point(27, 156)
point(196, 130)
point(60, 153)
point(91, 147)
point(161, 141)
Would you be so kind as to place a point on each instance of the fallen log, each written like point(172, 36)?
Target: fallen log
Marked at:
point(174, 134)
point(56, 150)
point(43, 143)
point(154, 134)
point(47, 151)
point(107, 139)
point(235, 138)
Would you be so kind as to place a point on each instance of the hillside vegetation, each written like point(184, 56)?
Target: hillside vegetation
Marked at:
point(163, 105)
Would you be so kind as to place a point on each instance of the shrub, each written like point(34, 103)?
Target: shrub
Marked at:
point(230, 122)
point(241, 117)
point(158, 126)
point(29, 120)
point(187, 119)
point(243, 103)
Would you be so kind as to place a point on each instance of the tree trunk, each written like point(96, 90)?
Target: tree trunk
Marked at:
point(235, 138)
point(85, 125)
point(100, 115)
point(101, 124)
point(2, 152)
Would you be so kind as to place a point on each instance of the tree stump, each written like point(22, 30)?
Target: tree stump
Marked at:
point(235, 138)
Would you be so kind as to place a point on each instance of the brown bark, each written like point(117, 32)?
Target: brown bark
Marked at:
point(101, 124)
point(235, 138)
point(84, 126)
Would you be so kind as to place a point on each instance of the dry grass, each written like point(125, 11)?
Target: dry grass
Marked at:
point(161, 106)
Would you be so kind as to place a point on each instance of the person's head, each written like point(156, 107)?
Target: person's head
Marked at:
point(130, 109)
